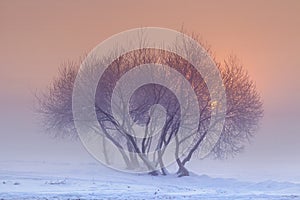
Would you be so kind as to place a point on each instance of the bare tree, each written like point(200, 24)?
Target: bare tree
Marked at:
point(244, 109)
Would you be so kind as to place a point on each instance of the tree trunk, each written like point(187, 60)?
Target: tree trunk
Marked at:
point(154, 173)
point(105, 151)
point(182, 171)
point(133, 157)
point(163, 169)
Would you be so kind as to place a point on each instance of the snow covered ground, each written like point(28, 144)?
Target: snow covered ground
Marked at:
point(50, 180)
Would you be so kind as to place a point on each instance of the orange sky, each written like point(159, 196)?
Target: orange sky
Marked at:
point(37, 36)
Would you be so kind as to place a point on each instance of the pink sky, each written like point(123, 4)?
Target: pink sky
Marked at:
point(37, 36)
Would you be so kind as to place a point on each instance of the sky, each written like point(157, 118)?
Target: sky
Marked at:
point(36, 37)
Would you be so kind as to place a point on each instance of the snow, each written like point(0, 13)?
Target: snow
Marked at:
point(62, 181)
